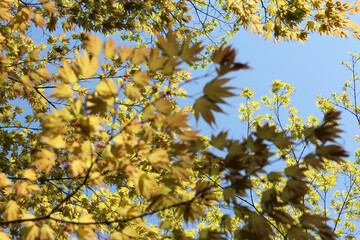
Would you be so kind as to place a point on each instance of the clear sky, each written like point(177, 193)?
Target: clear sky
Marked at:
point(312, 68)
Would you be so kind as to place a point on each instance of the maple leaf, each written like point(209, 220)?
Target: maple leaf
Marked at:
point(156, 61)
point(188, 53)
point(169, 46)
point(46, 160)
point(141, 78)
point(31, 232)
point(177, 120)
point(125, 53)
point(203, 107)
point(29, 174)
point(5, 236)
point(50, 7)
point(93, 44)
point(85, 232)
point(164, 105)
point(4, 181)
point(159, 159)
point(46, 232)
point(62, 91)
point(39, 21)
point(215, 91)
point(5, 14)
point(106, 88)
point(56, 142)
point(132, 92)
point(220, 140)
point(11, 211)
point(23, 189)
point(139, 55)
point(109, 48)
point(44, 73)
point(88, 66)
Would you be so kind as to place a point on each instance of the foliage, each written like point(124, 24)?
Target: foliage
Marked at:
point(95, 144)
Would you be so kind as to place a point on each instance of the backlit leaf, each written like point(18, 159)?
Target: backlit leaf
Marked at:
point(63, 90)
point(93, 45)
point(141, 78)
point(106, 88)
point(109, 48)
point(67, 74)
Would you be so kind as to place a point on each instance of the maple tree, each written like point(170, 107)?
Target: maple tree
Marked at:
point(94, 143)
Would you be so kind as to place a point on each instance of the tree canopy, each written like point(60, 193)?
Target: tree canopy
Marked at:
point(95, 143)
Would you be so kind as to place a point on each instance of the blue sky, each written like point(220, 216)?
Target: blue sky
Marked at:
point(312, 68)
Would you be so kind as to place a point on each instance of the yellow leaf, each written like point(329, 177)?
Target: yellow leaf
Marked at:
point(125, 52)
point(85, 233)
point(44, 73)
point(164, 105)
point(188, 53)
point(4, 181)
point(88, 218)
point(109, 48)
point(99, 105)
point(177, 120)
point(141, 78)
point(56, 142)
point(29, 174)
point(77, 167)
point(93, 45)
point(134, 127)
point(23, 189)
point(352, 11)
point(25, 79)
point(67, 74)
point(271, 9)
point(190, 136)
point(140, 55)
point(87, 66)
point(156, 61)
point(62, 91)
point(132, 92)
point(5, 14)
point(39, 21)
point(31, 232)
point(46, 160)
point(145, 184)
point(106, 88)
point(159, 159)
point(50, 7)
point(46, 232)
point(34, 55)
point(169, 45)
point(11, 211)
point(4, 236)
